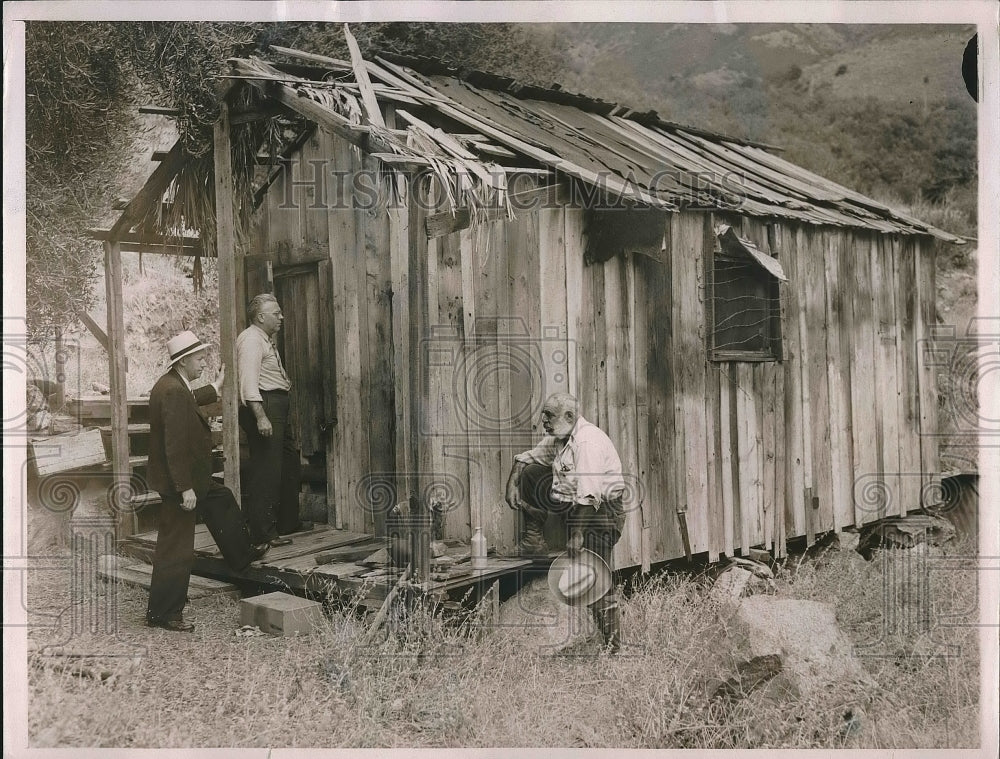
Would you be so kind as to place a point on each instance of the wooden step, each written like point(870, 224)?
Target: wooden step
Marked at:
point(97, 409)
point(119, 569)
point(146, 499)
point(133, 429)
point(138, 551)
point(134, 462)
point(141, 429)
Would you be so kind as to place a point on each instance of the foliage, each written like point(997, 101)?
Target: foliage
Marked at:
point(522, 51)
point(883, 149)
point(83, 79)
point(75, 114)
point(179, 64)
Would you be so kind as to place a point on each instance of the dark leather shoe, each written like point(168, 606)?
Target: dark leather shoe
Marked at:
point(175, 625)
point(279, 541)
point(259, 550)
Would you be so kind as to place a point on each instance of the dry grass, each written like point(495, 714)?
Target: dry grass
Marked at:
point(431, 684)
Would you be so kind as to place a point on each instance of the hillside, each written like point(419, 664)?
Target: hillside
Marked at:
point(675, 67)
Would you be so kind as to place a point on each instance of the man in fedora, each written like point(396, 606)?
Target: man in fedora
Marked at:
point(576, 471)
point(275, 471)
point(180, 470)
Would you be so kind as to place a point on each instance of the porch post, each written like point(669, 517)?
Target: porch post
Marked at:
point(119, 487)
point(225, 246)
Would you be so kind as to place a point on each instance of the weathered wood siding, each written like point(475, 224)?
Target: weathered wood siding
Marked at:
point(445, 348)
point(332, 274)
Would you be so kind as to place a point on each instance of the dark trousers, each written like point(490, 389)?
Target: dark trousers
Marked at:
point(601, 527)
point(174, 555)
point(272, 497)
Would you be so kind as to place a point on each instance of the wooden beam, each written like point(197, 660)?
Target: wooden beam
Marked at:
point(121, 471)
point(310, 109)
point(394, 87)
point(333, 63)
point(158, 110)
point(225, 245)
point(160, 250)
point(150, 193)
point(95, 329)
point(368, 100)
point(142, 242)
point(145, 238)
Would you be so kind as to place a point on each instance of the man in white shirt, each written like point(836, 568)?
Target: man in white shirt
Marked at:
point(272, 500)
point(575, 470)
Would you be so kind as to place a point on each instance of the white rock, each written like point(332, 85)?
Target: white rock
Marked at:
point(805, 634)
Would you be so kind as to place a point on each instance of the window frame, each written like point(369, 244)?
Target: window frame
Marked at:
point(774, 336)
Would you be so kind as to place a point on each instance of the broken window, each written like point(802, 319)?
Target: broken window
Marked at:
point(745, 314)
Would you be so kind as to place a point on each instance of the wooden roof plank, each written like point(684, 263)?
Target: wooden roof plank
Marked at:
point(810, 192)
point(388, 77)
point(706, 163)
point(442, 138)
point(368, 100)
point(862, 201)
point(803, 176)
point(461, 114)
point(580, 148)
point(333, 63)
point(598, 166)
point(151, 192)
point(625, 147)
point(765, 187)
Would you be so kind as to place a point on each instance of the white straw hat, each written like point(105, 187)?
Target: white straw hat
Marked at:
point(183, 345)
point(581, 580)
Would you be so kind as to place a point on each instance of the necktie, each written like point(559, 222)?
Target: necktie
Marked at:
point(277, 357)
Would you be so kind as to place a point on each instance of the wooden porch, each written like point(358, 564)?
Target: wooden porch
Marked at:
point(332, 563)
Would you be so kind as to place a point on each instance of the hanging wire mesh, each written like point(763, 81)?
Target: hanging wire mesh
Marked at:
point(745, 310)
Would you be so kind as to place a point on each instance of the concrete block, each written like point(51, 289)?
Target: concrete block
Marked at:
point(281, 614)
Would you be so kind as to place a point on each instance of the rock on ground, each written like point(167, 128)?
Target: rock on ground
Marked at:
point(538, 623)
point(813, 649)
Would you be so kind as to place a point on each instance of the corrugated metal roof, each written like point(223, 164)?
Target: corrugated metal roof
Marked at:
point(636, 156)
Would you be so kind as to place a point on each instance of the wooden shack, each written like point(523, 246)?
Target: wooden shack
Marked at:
point(449, 249)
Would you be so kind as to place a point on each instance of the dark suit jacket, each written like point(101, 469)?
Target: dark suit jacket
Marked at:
point(180, 439)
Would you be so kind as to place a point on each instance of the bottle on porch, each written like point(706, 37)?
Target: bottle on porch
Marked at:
point(478, 549)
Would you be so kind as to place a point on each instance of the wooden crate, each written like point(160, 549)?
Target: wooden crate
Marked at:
point(64, 453)
point(281, 614)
